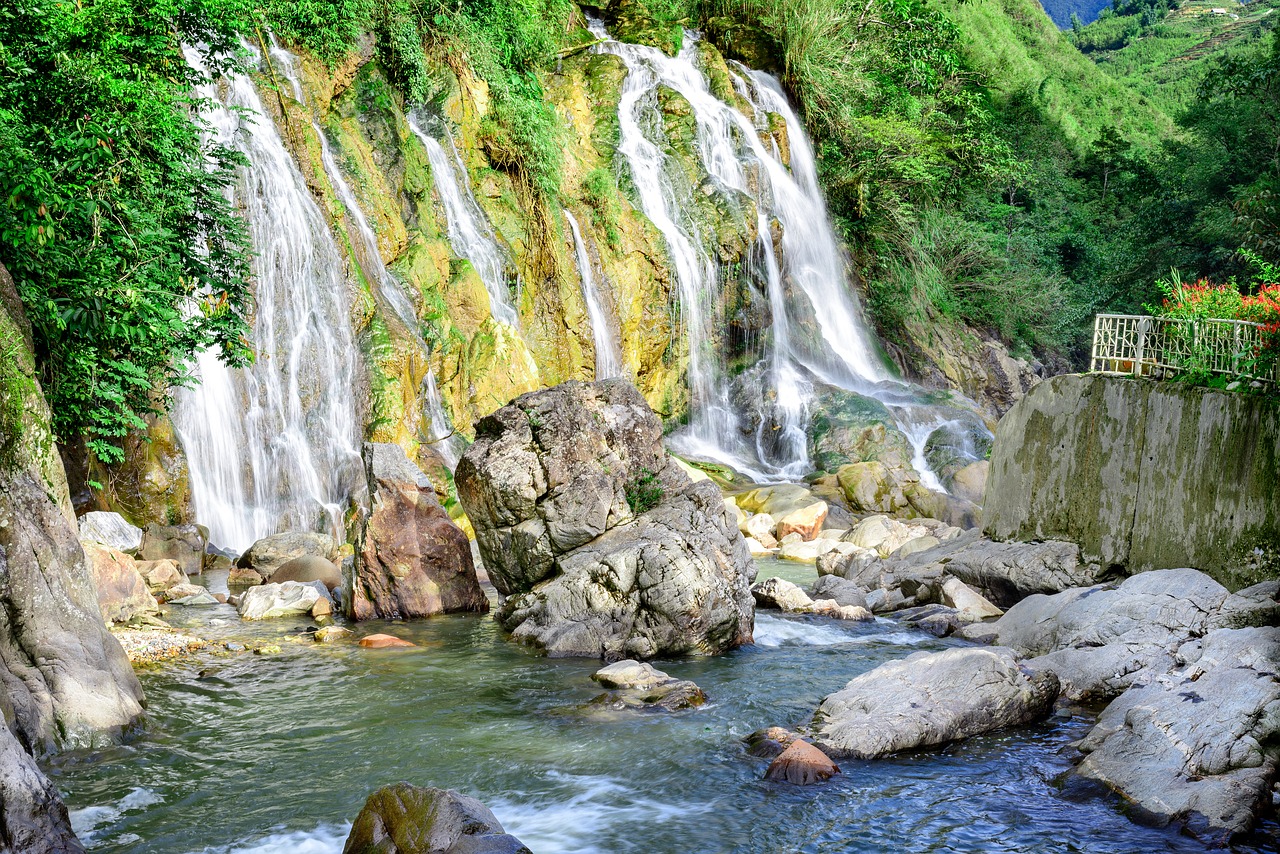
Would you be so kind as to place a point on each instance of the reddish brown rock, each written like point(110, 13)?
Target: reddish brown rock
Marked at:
point(411, 559)
point(122, 593)
point(807, 522)
point(801, 764)
point(383, 641)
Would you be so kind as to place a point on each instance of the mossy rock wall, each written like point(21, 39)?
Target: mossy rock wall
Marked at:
point(1142, 475)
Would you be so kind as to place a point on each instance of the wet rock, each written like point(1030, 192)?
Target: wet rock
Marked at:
point(938, 620)
point(111, 530)
point(33, 819)
point(807, 521)
point(870, 487)
point(642, 686)
point(182, 544)
point(602, 547)
point(411, 559)
point(781, 594)
point(406, 819)
point(929, 699)
point(285, 599)
point(1196, 745)
point(160, 575)
point(64, 680)
point(241, 577)
point(332, 634)
point(381, 641)
point(770, 741)
point(1100, 640)
point(309, 568)
point(270, 553)
point(842, 590)
point(833, 609)
point(122, 593)
point(801, 764)
point(202, 597)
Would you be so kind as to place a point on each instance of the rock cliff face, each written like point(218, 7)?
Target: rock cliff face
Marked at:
point(64, 680)
point(1142, 475)
point(602, 544)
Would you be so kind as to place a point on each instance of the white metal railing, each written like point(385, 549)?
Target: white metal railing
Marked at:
point(1142, 345)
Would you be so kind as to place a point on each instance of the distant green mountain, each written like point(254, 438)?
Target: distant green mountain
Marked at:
point(1086, 10)
point(1160, 52)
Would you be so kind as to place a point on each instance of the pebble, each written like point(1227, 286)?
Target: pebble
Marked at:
point(232, 646)
point(147, 646)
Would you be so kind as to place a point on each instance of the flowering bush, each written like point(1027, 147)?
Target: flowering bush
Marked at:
point(1205, 300)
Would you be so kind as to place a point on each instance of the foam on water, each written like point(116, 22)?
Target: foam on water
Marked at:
point(580, 811)
point(325, 839)
point(84, 822)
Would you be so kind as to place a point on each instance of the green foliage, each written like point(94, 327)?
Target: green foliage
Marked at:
point(644, 492)
point(113, 222)
point(601, 194)
point(328, 28)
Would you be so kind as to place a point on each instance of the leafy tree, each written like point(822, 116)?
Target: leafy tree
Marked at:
point(113, 221)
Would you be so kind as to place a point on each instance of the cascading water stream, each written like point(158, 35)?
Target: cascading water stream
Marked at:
point(470, 234)
point(804, 274)
point(273, 446)
point(385, 285)
point(608, 353)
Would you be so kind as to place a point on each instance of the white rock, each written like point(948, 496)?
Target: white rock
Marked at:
point(972, 605)
point(286, 599)
point(781, 594)
point(110, 529)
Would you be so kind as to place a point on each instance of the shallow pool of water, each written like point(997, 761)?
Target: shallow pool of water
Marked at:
point(276, 754)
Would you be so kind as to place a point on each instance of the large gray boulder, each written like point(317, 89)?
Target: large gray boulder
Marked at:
point(1142, 475)
point(33, 819)
point(1100, 640)
point(601, 544)
point(928, 699)
point(285, 599)
point(411, 559)
point(407, 819)
point(1198, 745)
point(1003, 573)
point(64, 680)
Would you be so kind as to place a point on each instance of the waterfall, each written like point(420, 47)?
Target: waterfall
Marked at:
point(804, 273)
point(273, 446)
point(470, 234)
point(385, 285)
point(608, 354)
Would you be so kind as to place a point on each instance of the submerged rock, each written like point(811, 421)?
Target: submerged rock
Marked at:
point(381, 641)
point(411, 559)
point(286, 599)
point(1197, 744)
point(601, 545)
point(407, 819)
point(111, 530)
point(641, 686)
point(801, 764)
point(929, 699)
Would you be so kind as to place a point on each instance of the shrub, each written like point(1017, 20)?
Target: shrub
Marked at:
point(644, 492)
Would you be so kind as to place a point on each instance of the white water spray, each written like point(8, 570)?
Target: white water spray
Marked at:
point(608, 353)
point(273, 446)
